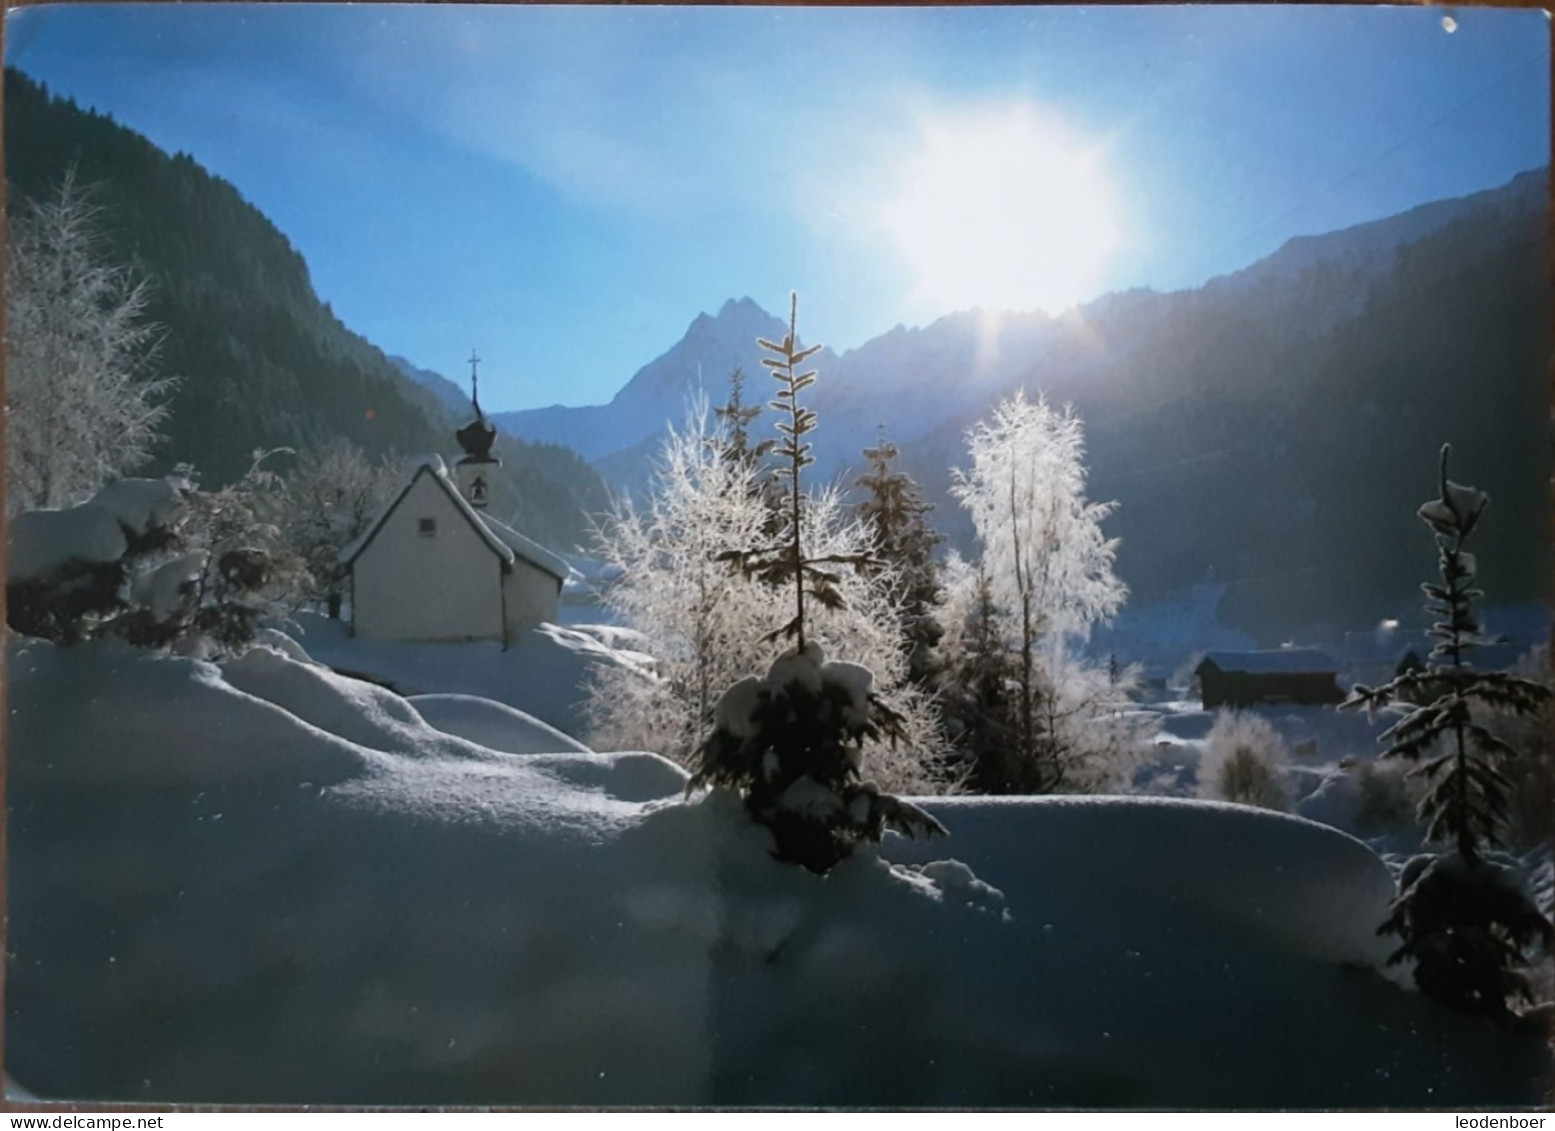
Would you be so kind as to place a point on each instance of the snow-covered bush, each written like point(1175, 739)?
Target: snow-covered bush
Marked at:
point(792, 744)
point(247, 569)
point(1388, 798)
point(1093, 732)
point(154, 561)
point(1244, 761)
point(1464, 919)
point(70, 572)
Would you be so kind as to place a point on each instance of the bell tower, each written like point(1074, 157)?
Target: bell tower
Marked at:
point(476, 469)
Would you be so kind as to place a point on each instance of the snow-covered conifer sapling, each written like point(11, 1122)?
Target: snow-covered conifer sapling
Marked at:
point(1464, 917)
point(791, 742)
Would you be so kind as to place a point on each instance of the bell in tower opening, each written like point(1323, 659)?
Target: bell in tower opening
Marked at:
point(474, 469)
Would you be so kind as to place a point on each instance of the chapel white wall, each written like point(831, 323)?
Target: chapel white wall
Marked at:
point(532, 595)
point(411, 587)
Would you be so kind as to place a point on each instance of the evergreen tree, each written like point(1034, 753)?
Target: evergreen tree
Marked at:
point(897, 514)
point(1464, 918)
point(792, 742)
point(975, 681)
point(733, 443)
point(735, 418)
point(785, 562)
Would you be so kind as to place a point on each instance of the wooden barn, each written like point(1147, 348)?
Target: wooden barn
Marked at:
point(1281, 675)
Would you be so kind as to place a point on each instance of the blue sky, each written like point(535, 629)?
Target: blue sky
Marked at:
point(566, 188)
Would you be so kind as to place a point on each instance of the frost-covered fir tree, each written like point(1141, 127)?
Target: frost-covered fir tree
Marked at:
point(1050, 574)
point(735, 418)
point(733, 441)
point(792, 741)
point(897, 515)
point(83, 404)
point(1464, 917)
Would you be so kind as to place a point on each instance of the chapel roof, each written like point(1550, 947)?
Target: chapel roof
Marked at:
point(508, 544)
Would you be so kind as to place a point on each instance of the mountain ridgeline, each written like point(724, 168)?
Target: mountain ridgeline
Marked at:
point(261, 362)
point(1267, 436)
point(1270, 433)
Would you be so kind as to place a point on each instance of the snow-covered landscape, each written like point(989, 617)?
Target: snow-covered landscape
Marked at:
point(1123, 684)
point(260, 881)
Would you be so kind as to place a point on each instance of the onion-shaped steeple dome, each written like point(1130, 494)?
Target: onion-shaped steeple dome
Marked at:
point(473, 470)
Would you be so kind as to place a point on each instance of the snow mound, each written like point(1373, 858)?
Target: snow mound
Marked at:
point(94, 531)
point(495, 726)
point(142, 505)
point(540, 674)
point(955, 881)
point(363, 714)
point(1187, 724)
point(278, 641)
point(1297, 885)
point(213, 899)
point(625, 776)
point(103, 713)
point(1335, 801)
point(41, 541)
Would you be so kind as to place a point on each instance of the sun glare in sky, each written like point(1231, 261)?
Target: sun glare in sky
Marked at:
point(1006, 209)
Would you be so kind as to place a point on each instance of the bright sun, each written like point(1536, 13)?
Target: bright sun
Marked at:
point(1004, 209)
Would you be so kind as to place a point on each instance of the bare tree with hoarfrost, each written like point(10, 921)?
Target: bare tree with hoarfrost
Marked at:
point(1049, 573)
point(332, 495)
point(696, 619)
point(82, 403)
point(701, 625)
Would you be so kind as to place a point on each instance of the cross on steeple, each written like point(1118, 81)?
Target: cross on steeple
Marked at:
point(475, 379)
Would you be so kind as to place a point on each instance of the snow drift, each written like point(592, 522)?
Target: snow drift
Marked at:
point(263, 882)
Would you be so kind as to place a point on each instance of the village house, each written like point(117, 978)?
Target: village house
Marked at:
point(1280, 675)
point(436, 566)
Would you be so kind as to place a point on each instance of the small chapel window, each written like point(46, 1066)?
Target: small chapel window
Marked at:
point(427, 527)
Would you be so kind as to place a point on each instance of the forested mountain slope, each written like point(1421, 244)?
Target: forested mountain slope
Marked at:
point(262, 363)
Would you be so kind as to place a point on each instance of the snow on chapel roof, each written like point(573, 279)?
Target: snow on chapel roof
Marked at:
point(1282, 661)
point(526, 548)
point(507, 543)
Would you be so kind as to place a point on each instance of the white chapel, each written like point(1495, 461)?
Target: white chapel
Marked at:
point(435, 566)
